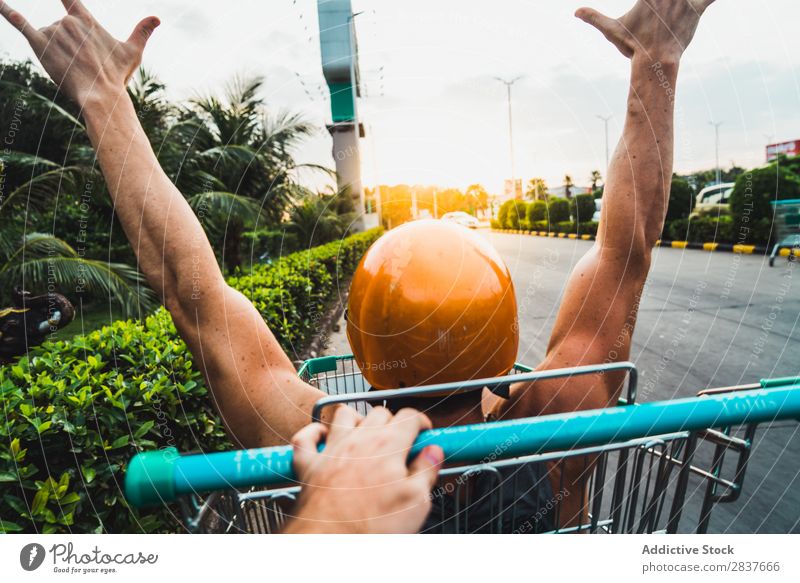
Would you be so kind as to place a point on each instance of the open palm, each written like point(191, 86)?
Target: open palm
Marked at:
point(656, 29)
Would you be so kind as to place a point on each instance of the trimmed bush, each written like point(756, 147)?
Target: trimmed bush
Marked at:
point(517, 211)
point(537, 211)
point(558, 210)
point(581, 208)
point(681, 199)
point(495, 224)
point(540, 226)
point(76, 411)
point(702, 230)
point(502, 213)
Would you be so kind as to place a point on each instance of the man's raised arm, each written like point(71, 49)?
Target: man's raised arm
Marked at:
point(253, 382)
point(598, 312)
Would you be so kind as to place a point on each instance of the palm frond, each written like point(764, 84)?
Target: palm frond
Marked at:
point(43, 261)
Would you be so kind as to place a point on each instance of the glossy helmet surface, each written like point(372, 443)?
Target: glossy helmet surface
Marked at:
point(432, 302)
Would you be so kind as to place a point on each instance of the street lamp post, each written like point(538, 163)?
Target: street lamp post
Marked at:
point(716, 147)
point(605, 122)
point(508, 83)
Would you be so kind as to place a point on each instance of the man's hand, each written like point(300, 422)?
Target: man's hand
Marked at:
point(659, 30)
point(361, 483)
point(79, 54)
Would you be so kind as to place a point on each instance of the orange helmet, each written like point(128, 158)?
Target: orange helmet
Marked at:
point(431, 302)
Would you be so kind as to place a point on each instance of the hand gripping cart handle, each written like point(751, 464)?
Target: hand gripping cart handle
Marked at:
point(159, 477)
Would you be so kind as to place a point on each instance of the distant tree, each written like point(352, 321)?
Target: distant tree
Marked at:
point(537, 189)
point(477, 198)
point(595, 177)
point(568, 184)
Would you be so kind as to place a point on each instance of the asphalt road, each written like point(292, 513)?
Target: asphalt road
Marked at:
point(706, 320)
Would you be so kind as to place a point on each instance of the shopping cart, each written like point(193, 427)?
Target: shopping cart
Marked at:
point(645, 467)
point(787, 230)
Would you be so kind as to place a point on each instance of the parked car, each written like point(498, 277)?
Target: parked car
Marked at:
point(714, 200)
point(462, 218)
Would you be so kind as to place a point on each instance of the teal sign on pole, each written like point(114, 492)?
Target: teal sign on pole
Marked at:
point(339, 57)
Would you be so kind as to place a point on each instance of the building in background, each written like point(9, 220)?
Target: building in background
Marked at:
point(783, 149)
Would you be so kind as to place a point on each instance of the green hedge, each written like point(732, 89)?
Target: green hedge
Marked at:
point(582, 208)
point(702, 229)
point(76, 411)
point(558, 210)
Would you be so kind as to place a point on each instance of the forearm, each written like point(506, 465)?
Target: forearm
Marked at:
point(169, 241)
point(640, 173)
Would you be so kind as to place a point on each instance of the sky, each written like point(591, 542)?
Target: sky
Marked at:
point(434, 114)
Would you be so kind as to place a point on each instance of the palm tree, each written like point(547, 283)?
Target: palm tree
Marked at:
point(568, 184)
point(34, 186)
point(595, 177)
point(537, 189)
point(234, 161)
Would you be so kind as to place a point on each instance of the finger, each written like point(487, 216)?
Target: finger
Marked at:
point(143, 31)
point(18, 21)
point(425, 467)
point(600, 21)
point(75, 7)
point(406, 426)
point(705, 4)
point(345, 419)
point(305, 443)
point(378, 417)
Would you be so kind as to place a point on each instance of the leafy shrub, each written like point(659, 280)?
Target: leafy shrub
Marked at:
point(540, 226)
point(681, 199)
point(587, 228)
point(76, 411)
point(268, 244)
point(702, 230)
point(495, 224)
point(502, 213)
point(581, 208)
point(537, 211)
point(751, 197)
point(558, 210)
point(517, 211)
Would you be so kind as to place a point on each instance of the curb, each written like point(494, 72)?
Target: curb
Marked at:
point(726, 247)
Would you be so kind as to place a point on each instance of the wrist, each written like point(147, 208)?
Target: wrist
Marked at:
point(99, 105)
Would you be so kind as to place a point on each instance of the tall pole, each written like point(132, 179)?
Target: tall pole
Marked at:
point(716, 148)
point(605, 122)
point(508, 83)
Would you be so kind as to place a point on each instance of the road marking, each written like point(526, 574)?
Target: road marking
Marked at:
point(679, 244)
point(710, 246)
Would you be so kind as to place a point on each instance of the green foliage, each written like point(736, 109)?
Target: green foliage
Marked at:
point(581, 207)
point(495, 224)
point(558, 210)
point(502, 213)
point(517, 211)
point(76, 411)
point(681, 199)
point(751, 197)
point(537, 211)
point(702, 230)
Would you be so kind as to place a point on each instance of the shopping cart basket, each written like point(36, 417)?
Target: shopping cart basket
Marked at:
point(787, 229)
point(642, 463)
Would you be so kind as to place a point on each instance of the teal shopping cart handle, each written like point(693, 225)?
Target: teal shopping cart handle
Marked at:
point(162, 476)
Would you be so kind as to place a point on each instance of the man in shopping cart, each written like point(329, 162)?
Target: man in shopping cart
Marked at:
point(436, 299)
